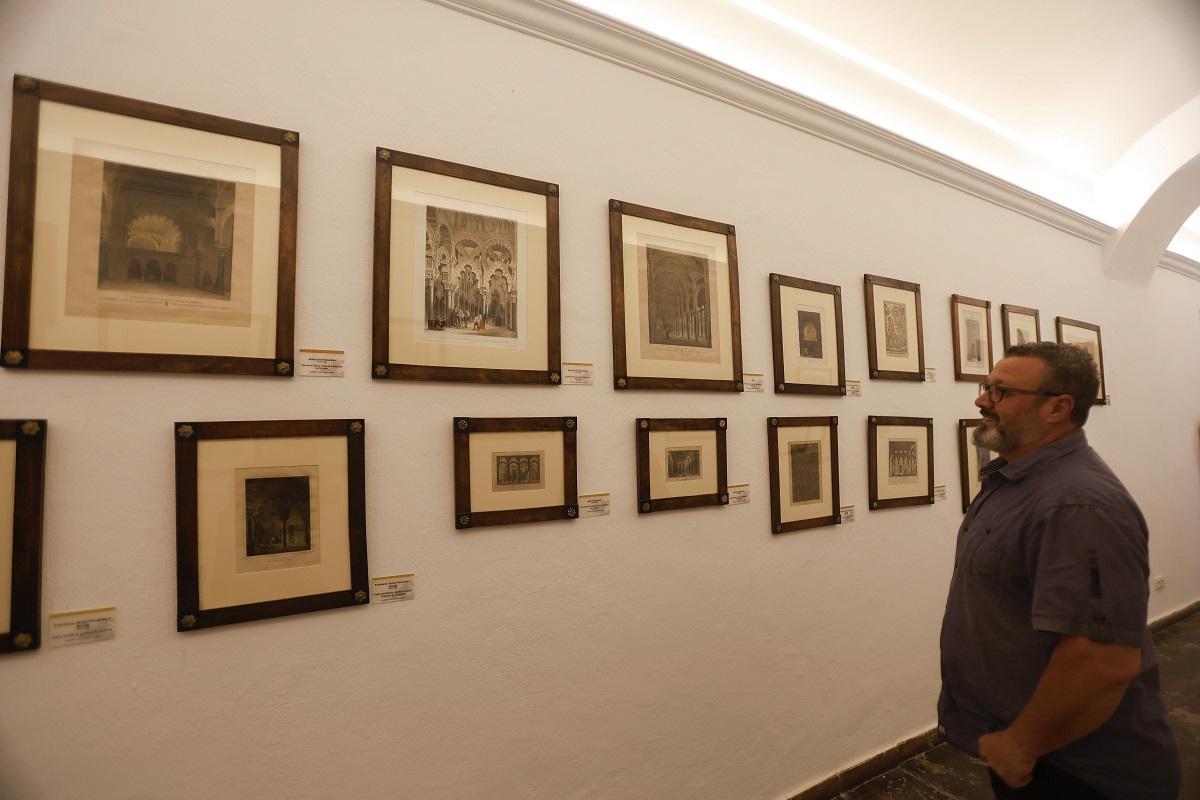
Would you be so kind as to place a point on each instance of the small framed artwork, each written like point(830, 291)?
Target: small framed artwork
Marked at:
point(971, 458)
point(681, 463)
point(806, 336)
point(1087, 336)
point(675, 311)
point(270, 519)
point(895, 339)
point(1020, 325)
point(22, 481)
point(971, 321)
point(803, 462)
point(145, 237)
point(466, 274)
point(899, 461)
point(514, 469)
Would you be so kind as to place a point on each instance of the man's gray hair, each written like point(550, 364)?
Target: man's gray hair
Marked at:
point(1069, 370)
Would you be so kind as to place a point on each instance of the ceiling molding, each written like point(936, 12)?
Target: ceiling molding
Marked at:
point(592, 33)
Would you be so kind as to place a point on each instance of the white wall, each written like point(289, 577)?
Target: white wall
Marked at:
point(687, 654)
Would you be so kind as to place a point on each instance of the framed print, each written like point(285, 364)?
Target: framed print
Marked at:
point(803, 463)
point(22, 481)
point(514, 469)
point(145, 237)
point(270, 519)
point(971, 458)
point(466, 274)
point(675, 313)
point(681, 463)
point(806, 336)
point(971, 321)
point(1019, 324)
point(899, 461)
point(1087, 336)
point(895, 340)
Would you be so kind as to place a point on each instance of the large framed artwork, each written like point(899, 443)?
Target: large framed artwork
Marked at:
point(971, 458)
point(514, 469)
point(270, 519)
point(806, 336)
point(22, 481)
point(1084, 335)
point(681, 463)
point(803, 464)
point(675, 311)
point(899, 462)
point(466, 274)
point(145, 237)
point(971, 321)
point(1020, 324)
point(895, 339)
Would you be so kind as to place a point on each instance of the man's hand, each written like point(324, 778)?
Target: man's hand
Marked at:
point(1007, 758)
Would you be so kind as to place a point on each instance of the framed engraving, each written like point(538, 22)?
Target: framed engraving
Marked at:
point(22, 482)
point(270, 519)
point(895, 339)
point(1087, 336)
point(466, 274)
point(1019, 324)
point(803, 463)
point(971, 321)
point(681, 463)
point(806, 336)
point(675, 311)
point(144, 237)
point(971, 458)
point(514, 469)
point(899, 462)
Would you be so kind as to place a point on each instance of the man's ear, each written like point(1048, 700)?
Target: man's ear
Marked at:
point(1059, 408)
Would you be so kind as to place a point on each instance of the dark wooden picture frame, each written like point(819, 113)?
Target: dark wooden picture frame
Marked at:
point(965, 429)
point(187, 529)
point(617, 210)
point(873, 359)
point(873, 426)
point(15, 333)
point(643, 427)
point(467, 517)
point(774, 426)
point(778, 348)
point(381, 358)
point(1059, 323)
point(1006, 326)
point(956, 301)
point(25, 618)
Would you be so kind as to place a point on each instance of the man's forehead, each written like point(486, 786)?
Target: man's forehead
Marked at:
point(1018, 370)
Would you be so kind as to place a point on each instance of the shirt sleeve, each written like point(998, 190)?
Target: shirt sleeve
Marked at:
point(1089, 566)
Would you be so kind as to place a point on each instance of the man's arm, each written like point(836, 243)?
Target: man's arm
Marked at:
point(1080, 688)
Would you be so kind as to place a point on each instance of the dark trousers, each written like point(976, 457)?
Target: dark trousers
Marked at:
point(1049, 783)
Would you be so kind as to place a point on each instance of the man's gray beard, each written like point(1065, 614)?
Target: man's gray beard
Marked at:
point(996, 438)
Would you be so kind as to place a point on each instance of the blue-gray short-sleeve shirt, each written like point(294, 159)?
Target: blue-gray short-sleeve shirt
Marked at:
point(1053, 544)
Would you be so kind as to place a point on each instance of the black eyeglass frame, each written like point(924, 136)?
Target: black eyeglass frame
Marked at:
point(987, 388)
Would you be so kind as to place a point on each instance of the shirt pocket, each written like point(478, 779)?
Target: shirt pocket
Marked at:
point(985, 561)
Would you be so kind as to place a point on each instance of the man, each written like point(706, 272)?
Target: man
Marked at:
point(1048, 670)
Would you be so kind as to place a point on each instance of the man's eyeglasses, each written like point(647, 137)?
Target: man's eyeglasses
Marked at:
point(996, 393)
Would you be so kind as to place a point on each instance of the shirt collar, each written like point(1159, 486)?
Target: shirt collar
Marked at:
point(1075, 440)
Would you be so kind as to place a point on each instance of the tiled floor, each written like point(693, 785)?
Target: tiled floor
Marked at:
point(945, 773)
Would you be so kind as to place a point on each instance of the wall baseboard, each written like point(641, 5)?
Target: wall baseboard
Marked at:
point(1167, 620)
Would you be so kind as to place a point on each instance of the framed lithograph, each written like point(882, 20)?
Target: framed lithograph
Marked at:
point(145, 237)
point(514, 469)
point(899, 461)
point(971, 321)
point(971, 458)
point(675, 313)
point(806, 336)
point(270, 519)
point(22, 478)
point(681, 463)
point(466, 274)
point(895, 340)
point(1087, 336)
point(1019, 325)
point(803, 462)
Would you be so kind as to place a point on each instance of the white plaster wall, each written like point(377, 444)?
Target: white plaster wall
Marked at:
point(687, 654)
